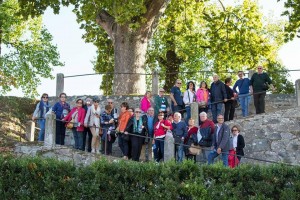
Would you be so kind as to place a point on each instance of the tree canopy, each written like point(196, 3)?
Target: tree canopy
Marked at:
point(26, 51)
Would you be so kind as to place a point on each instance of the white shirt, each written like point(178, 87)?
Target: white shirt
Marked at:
point(234, 141)
point(186, 99)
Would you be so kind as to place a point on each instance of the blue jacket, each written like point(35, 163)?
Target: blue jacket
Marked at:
point(179, 129)
point(243, 85)
point(58, 109)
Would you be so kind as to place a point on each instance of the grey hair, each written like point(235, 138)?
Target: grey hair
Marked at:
point(178, 114)
point(203, 114)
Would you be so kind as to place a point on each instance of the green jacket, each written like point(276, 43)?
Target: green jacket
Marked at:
point(258, 80)
point(157, 103)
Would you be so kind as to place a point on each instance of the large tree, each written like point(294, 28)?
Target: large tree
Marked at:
point(26, 50)
point(129, 24)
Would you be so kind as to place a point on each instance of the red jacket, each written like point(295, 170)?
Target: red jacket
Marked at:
point(160, 131)
point(191, 131)
point(208, 123)
point(80, 115)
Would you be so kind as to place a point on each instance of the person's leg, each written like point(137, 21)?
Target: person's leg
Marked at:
point(80, 140)
point(231, 111)
point(42, 129)
point(226, 113)
point(156, 150)
point(256, 102)
point(126, 147)
point(262, 102)
point(188, 113)
point(75, 135)
point(109, 148)
point(93, 131)
point(134, 147)
point(180, 153)
point(120, 143)
point(90, 137)
point(57, 131)
point(84, 136)
point(247, 101)
point(214, 112)
point(219, 108)
point(225, 158)
point(161, 144)
point(211, 156)
point(243, 105)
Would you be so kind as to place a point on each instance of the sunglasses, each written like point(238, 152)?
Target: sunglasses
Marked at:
point(110, 102)
point(45, 97)
point(178, 83)
point(259, 68)
point(137, 111)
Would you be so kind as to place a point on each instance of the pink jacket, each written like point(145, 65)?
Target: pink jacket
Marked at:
point(145, 104)
point(200, 95)
point(81, 116)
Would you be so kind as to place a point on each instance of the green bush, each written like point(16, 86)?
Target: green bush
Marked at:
point(38, 178)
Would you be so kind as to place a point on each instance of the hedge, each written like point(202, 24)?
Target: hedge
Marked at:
point(40, 178)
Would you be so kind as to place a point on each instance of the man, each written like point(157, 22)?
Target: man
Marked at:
point(258, 86)
point(114, 111)
point(243, 85)
point(161, 103)
point(149, 120)
point(221, 142)
point(180, 133)
point(87, 130)
point(218, 96)
point(176, 97)
point(206, 126)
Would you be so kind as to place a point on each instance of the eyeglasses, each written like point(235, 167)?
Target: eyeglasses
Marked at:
point(234, 130)
point(161, 115)
point(178, 83)
point(240, 74)
point(63, 97)
point(110, 102)
point(220, 118)
point(79, 102)
point(45, 97)
point(259, 68)
point(137, 111)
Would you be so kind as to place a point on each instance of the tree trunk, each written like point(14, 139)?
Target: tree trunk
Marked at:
point(130, 56)
point(171, 64)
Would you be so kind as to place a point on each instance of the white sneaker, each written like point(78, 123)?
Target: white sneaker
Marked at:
point(93, 150)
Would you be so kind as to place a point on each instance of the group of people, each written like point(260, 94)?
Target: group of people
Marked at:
point(146, 127)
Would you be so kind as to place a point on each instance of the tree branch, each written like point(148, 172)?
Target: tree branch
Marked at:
point(155, 8)
point(107, 22)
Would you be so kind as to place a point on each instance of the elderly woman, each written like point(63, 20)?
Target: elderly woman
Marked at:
point(237, 146)
point(61, 110)
point(92, 120)
point(78, 114)
point(39, 113)
point(180, 133)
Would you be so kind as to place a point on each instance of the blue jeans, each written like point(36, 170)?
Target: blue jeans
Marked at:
point(216, 109)
point(42, 123)
point(213, 154)
point(159, 150)
point(179, 152)
point(244, 101)
point(188, 113)
point(78, 138)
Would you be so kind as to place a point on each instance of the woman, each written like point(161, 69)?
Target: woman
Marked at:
point(107, 124)
point(145, 102)
point(229, 105)
point(203, 97)
point(61, 110)
point(237, 147)
point(191, 138)
point(135, 126)
point(39, 113)
point(160, 130)
point(78, 114)
point(92, 120)
point(189, 97)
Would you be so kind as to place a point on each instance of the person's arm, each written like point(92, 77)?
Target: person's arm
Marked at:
point(81, 117)
point(36, 111)
point(269, 81)
point(186, 97)
point(235, 86)
point(212, 127)
point(224, 92)
point(225, 137)
point(251, 83)
point(68, 117)
point(172, 96)
point(241, 142)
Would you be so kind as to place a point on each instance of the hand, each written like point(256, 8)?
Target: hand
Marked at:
point(78, 124)
point(182, 138)
point(159, 110)
point(33, 118)
point(111, 121)
point(168, 109)
point(85, 125)
point(219, 150)
point(234, 149)
point(175, 104)
point(153, 141)
point(126, 133)
point(225, 100)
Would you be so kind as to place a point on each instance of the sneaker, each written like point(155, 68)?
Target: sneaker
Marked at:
point(93, 150)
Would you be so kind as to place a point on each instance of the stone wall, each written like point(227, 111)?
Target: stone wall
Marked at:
point(273, 136)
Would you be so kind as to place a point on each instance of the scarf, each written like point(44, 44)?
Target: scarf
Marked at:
point(94, 112)
point(41, 108)
point(137, 127)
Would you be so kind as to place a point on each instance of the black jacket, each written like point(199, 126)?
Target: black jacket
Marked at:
point(240, 145)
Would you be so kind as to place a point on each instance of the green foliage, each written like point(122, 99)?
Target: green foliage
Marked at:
point(38, 178)
point(292, 29)
point(28, 53)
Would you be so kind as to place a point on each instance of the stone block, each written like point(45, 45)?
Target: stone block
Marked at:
point(260, 145)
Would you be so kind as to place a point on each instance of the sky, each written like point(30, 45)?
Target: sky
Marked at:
point(78, 55)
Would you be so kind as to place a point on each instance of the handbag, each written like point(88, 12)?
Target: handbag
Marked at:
point(194, 149)
point(70, 124)
point(202, 104)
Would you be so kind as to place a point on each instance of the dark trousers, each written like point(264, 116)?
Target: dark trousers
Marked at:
point(159, 150)
point(107, 146)
point(259, 102)
point(178, 108)
point(85, 133)
point(60, 133)
point(229, 111)
point(123, 144)
point(136, 147)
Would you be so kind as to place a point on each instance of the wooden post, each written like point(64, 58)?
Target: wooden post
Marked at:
point(50, 130)
point(155, 81)
point(195, 113)
point(297, 88)
point(251, 108)
point(59, 84)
